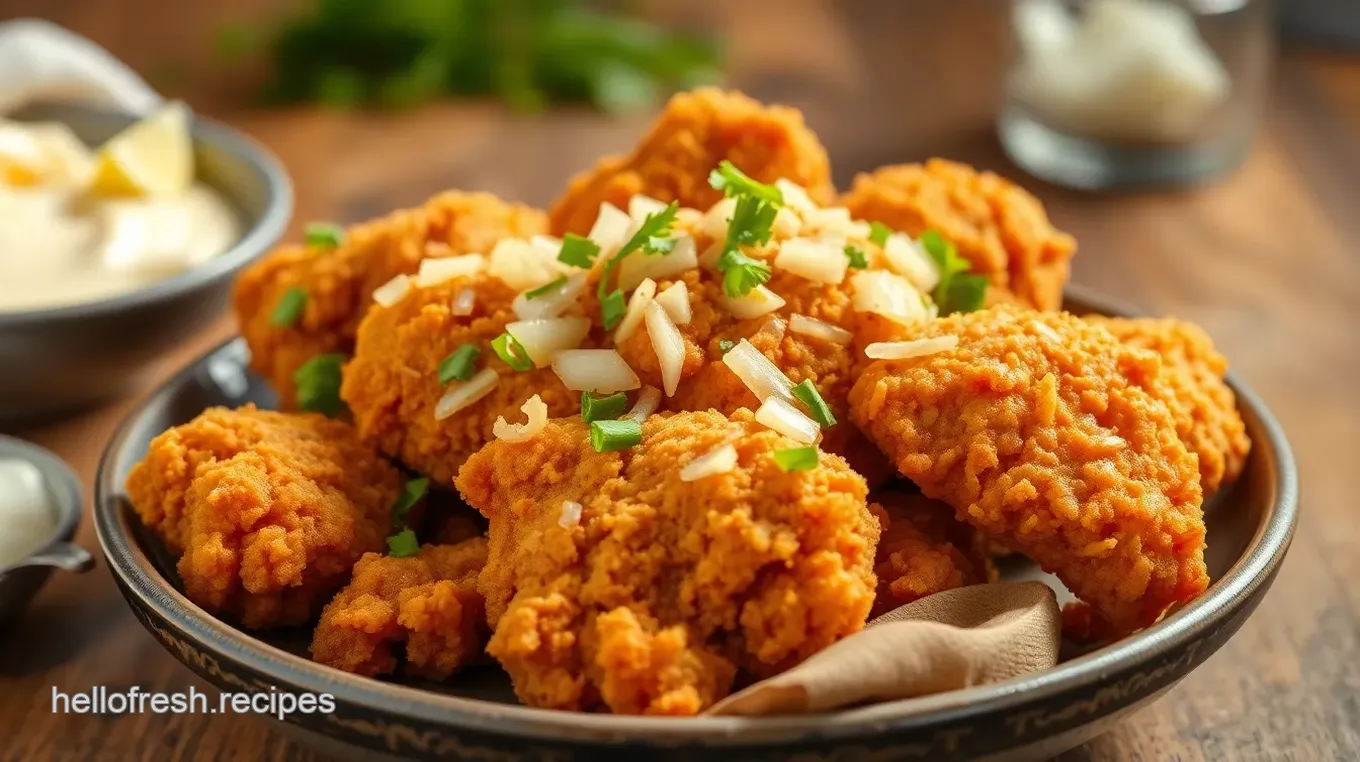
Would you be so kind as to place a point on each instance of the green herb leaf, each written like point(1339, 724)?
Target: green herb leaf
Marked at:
point(796, 458)
point(511, 352)
point(656, 225)
point(289, 308)
point(878, 233)
point(806, 393)
point(578, 251)
point(325, 236)
point(858, 259)
point(602, 408)
point(752, 222)
point(608, 436)
point(318, 384)
point(967, 293)
point(612, 309)
point(957, 291)
point(659, 245)
point(403, 544)
point(741, 274)
point(459, 365)
point(545, 289)
point(733, 182)
point(725, 345)
point(411, 493)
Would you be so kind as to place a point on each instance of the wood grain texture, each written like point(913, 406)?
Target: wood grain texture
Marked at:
point(1268, 261)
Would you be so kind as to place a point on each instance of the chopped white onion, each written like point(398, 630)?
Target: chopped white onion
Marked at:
point(545, 337)
point(716, 220)
point(780, 415)
point(902, 350)
point(818, 329)
point(610, 229)
point(675, 301)
point(462, 394)
point(438, 250)
point(524, 265)
point(571, 514)
point(637, 307)
point(834, 221)
point(463, 302)
point(640, 207)
point(602, 371)
point(786, 224)
point(668, 344)
point(813, 260)
point(709, 258)
point(720, 460)
point(435, 271)
point(760, 301)
point(551, 304)
point(762, 377)
point(889, 295)
point(649, 399)
point(794, 195)
point(906, 257)
point(546, 244)
point(640, 265)
point(535, 410)
point(392, 291)
point(773, 329)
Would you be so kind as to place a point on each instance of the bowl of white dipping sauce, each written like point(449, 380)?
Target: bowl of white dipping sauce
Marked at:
point(40, 507)
point(94, 285)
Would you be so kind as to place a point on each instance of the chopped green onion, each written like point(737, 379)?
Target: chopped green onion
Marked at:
point(958, 289)
point(601, 408)
point(325, 236)
point(545, 289)
point(411, 493)
point(318, 384)
point(459, 365)
point(858, 259)
point(878, 233)
point(613, 308)
point(796, 458)
point(403, 544)
point(967, 293)
point(807, 393)
point(733, 182)
point(608, 436)
point(725, 345)
point(511, 352)
point(741, 274)
point(289, 308)
point(578, 251)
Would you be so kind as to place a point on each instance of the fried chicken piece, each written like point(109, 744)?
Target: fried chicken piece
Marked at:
point(998, 226)
point(267, 511)
point(923, 550)
point(339, 284)
point(697, 130)
point(428, 602)
point(613, 583)
point(1051, 435)
point(1206, 409)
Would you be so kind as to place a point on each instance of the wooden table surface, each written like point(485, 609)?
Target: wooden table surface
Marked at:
point(1268, 261)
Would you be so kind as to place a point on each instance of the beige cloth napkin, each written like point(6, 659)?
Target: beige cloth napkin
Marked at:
point(950, 640)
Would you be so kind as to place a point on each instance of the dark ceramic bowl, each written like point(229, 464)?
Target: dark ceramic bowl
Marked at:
point(60, 359)
point(475, 716)
point(20, 581)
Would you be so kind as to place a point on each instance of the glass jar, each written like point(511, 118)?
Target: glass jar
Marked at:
point(1105, 94)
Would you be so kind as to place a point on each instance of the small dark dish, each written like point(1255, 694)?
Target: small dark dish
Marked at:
point(19, 582)
point(61, 358)
point(474, 716)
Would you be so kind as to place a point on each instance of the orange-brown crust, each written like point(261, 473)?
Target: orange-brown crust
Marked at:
point(697, 130)
point(1206, 409)
point(923, 550)
point(1050, 434)
point(340, 283)
point(267, 511)
point(663, 589)
point(997, 225)
point(428, 602)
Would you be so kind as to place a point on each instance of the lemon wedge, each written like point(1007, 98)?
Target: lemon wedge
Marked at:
point(154, 157)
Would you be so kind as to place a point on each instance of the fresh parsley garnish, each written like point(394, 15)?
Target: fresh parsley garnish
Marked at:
point(654, 227)
point(725, 345)
point(878, 233)
point(318, 384)
point(403, 544)
point(741, 274)
point(411, 493)
point(958, 290)
point(858, 259)
point(733, 182)
point(578, 251)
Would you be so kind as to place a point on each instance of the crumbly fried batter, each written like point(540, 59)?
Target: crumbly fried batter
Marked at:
point(267, 511)
point(923, 550)
point(428, 601)
point(392, 384)
point(997, 225)
point(1206, 409)
point(340, 283)
point(653, 597)
point(1050, 434)
point(697, 130)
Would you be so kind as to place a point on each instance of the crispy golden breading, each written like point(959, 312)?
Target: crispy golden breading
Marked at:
point(652, 599)
point(1050, 434)
point(428, 602)
point(267, 511)
point(996, 225)
point(392, 384)
point(339, 284)
point(1206, 409)
point(697, 130)
point(923, 550)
